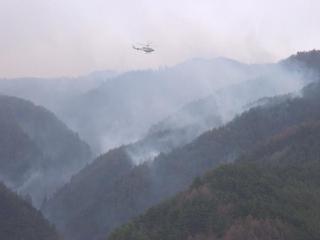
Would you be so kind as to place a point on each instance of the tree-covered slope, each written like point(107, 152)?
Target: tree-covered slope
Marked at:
point(86, 188)
point(147, 184)
point(18, 153)
point(38, 152)
point(303, 60)
point(270, 193)
point(19, 220)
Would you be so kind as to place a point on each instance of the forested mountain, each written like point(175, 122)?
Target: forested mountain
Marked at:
point(218, 108)
point(109, 109)
point(159, 120)
point(211, 112)
point(303, 60)
point(86, 187)
point(270, 193)
point(119, 105)
point(38, 153)
point(19, 220)
point(132, 192)
point(18, 152)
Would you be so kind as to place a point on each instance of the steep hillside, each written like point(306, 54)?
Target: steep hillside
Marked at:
point(271, 193)
point(38, 152)
point(147, 184)
point(18, 152)
point(19, 220)
point(85, 188)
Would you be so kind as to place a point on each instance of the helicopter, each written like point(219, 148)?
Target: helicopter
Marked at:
point(144, 48)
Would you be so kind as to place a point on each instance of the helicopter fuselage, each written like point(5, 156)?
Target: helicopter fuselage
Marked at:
point(145, 49)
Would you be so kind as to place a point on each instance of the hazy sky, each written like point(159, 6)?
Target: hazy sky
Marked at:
point(72, 37)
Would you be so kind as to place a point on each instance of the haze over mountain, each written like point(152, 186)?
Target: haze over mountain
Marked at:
point(113, 198)
point(119, 105)
point(108, 110)
point(214, 110)
point(221, 106)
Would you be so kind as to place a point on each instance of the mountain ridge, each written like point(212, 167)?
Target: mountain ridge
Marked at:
point(266, 194)
point(57, 150)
